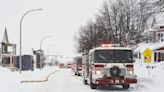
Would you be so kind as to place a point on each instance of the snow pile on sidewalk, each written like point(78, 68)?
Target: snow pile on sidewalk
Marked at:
point(11, 81)
point(151, 79)
point(8, 80)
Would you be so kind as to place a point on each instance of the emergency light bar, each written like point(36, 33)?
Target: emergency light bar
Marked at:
point(109, 45)
point(106, 45)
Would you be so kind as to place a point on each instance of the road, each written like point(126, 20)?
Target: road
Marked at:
point(65, 81)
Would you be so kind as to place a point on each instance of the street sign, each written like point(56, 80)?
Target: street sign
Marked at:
point(147, 54)
point(147, 59)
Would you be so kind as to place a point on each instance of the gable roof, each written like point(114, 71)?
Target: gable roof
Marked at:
point(5, 37)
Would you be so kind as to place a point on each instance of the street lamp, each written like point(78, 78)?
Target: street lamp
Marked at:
point(41, 44)
point(20, 57)
point(49, 36)
point(49, 50)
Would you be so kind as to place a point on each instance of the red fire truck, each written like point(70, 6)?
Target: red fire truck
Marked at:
point(108, 66)
point(77, 65)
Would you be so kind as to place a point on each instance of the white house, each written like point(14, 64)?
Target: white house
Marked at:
point(8, 52)
point(157, 47)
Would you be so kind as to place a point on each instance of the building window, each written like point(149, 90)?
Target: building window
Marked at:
point(159, 57)
point(158, 37)
point(162, 56)
point(155, 56)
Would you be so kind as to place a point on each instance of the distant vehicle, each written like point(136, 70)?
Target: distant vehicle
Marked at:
point(77, 65)
point(108, 66)
point(69, 65)
point(61, 65)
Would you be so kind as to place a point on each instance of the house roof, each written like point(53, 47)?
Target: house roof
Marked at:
point(152, 46)
point(157, 22)
point(5, 37)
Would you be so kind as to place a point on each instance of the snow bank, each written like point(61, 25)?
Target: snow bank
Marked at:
point(11, 81)
point(150, 78)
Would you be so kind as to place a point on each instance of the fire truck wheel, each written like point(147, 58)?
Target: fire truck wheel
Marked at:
point(85, 81)
point(78, 74)
point(93, 86)
point(125, 86)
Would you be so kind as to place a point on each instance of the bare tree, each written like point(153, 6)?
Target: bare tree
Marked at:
point(87, 37)
point(122, 22)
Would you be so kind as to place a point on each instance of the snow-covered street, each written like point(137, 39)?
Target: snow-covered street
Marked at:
point(63, 80)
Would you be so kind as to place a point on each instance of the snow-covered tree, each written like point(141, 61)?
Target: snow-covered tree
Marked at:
point(123, 22)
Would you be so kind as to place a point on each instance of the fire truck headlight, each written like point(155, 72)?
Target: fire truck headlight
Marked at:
point(98, 72)
point(130, 72)
point(80, 68)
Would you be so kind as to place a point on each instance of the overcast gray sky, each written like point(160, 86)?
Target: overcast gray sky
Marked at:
point(59, 18)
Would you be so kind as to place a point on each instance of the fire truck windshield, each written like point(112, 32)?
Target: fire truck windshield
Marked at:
point(113, 56)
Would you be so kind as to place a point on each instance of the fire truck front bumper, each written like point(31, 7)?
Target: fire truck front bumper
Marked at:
point(114, 81)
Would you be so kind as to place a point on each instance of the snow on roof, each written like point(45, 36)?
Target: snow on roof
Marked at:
point(2, 34)
point(152, 46)
point(159, 19)
point(5, 37)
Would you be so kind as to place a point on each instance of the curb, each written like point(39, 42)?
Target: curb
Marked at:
point(45, 80)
